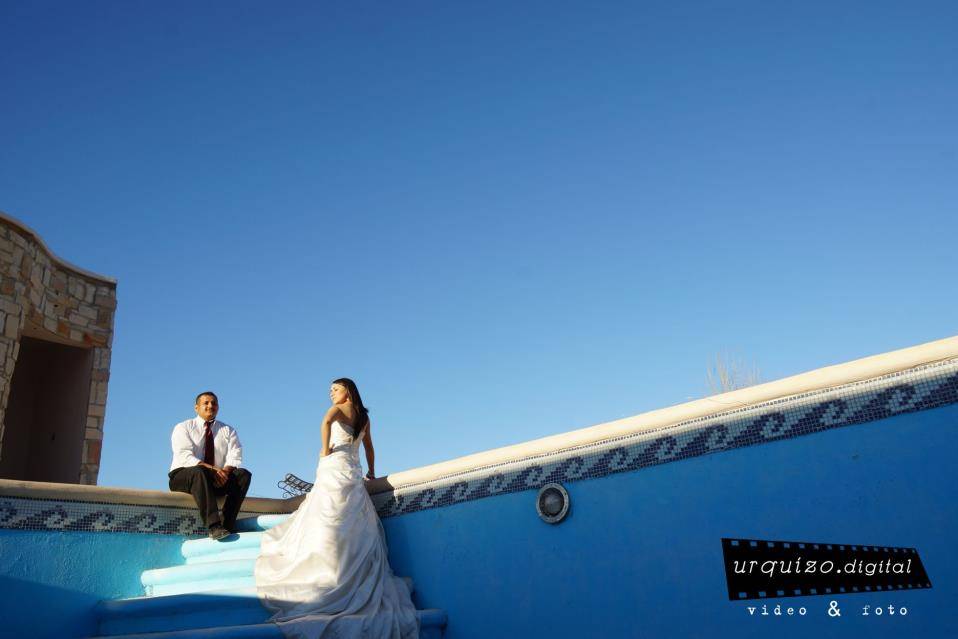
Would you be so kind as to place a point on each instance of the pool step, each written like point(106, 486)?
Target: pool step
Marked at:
point(432, 622)
point(212, 565)
point(212, 595)
point(242, 631)
point(225, 555)
point(212, 575)
point(181, 612)
point(196, 548)
point(260, 523)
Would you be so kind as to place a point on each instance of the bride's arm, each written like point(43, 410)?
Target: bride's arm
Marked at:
point(370, 453)
point(327, 425)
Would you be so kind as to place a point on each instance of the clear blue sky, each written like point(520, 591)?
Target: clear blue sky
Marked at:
point(504, 220)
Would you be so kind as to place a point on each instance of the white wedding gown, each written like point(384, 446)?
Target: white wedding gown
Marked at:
point(325, 572)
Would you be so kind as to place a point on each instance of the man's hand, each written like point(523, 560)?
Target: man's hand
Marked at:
point(220, 477)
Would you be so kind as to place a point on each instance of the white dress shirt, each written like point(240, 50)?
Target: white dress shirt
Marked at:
point(189, 444)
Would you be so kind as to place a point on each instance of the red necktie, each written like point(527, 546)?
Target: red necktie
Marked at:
point(208, 456)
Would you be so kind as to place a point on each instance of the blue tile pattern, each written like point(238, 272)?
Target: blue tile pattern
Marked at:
point(916, 389)
point(23, 513)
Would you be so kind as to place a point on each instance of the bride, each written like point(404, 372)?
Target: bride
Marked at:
point(324, 572)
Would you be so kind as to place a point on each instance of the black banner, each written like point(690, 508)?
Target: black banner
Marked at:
point(761, 569)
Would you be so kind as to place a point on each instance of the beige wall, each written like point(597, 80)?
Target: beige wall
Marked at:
point(46, 298)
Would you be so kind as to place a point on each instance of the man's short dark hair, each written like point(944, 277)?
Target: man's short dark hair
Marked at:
point(210, 393)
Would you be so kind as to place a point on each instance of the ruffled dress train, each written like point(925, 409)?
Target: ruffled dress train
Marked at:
point(324, 572)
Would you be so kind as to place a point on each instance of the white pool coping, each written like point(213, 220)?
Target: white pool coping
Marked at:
point(817, 380)
point(132, 496)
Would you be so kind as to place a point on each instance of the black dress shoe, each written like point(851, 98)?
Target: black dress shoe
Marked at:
point(217, 532)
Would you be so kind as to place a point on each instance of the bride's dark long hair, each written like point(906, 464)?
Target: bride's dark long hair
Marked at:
point(362, 413)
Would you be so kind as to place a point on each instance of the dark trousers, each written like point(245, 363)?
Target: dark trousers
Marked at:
point(198, 481)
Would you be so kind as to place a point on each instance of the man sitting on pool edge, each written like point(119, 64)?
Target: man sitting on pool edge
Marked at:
point(207, 456)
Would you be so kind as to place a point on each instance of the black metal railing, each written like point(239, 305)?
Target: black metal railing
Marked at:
point(293, 486)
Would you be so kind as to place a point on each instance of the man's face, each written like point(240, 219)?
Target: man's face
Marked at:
point(207, 407)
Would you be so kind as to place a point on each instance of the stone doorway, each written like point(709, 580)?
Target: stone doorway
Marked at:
point(46, 414)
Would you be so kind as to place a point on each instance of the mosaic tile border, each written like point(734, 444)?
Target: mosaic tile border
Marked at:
point(912, 390)
point(915, 389)
point(26, 513)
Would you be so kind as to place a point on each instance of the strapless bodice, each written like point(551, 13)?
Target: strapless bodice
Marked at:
point(343, 438)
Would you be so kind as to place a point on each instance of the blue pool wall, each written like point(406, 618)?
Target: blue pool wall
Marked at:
point(65, 548)
point(51, 580)
point(640, 555)
point(870, 462)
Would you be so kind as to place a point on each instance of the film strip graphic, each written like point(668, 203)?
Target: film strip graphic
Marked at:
point(762, 569)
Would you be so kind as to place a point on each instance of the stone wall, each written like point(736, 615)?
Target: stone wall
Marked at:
point(47, 298)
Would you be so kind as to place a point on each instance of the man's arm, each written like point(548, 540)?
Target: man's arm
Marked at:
point(183, 448)
point(234, 452)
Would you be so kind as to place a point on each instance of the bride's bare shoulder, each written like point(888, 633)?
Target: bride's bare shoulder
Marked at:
point(333, 414)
